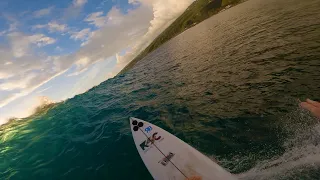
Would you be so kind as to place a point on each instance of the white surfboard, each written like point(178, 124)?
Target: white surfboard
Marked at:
point(169, 158)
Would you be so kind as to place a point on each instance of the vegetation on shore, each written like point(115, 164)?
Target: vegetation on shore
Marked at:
point(195, 13)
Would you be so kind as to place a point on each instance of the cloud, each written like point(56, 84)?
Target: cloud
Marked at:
point(134, 2)
point(118, 32)
point(42, 12)
point(77, 72)
point(81, 35)
point(4, 75)
point(42, 40)
point(3, 32)
point(79, 3)
point(13, 23)
point(74, 9)
point(43, 90)
point(96, 19)
point(19, 48)
point(24, 69)
point(114, 17)
point(20, 43)
point(27, 90)
point(52, 26)
point(83, 62)
point(164, 13)
point(134, 30)
point(20, 83)
point(102, 4)
point(39, 26)
point(59, 49)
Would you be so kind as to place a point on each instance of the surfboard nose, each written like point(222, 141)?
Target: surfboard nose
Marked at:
point(133, 121)
point(135, 124)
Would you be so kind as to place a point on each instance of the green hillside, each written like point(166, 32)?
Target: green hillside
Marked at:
point(195, 13)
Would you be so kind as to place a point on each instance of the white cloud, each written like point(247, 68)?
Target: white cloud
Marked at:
point(82, 62)
point(52, 26)
point(42, 12)
point(137, 28)
point(56, 27)
point(74, 9)
point(164, 13)
point(114, 17)
point(133, 2)
point(43, 90)
point(81, 35)
point(39, 26)
point(59, 49)
point(13, 26)
point(4, 75)
point(102, 4)
point(77, 72)
point(42, 40)
point(13, 23)
point(20, 43)
point(79, 3)
point(96, 19)
point(28, 70)
point(3, 32)
point(118, 32)
point(20, 83)
point(27, 90)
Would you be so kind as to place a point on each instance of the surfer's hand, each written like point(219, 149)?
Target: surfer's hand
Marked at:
point(312, 106)
point(195, 178)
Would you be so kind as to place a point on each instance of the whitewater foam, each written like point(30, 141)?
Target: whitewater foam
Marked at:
point(301, 158)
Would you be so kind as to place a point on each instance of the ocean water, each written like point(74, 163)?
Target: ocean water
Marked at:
point(229, 87)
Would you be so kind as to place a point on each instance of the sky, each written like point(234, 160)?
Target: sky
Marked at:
point(60, 48)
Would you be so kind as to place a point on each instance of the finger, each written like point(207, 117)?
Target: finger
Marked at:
point(313, 109)
point(314, 103)
point(308, 106)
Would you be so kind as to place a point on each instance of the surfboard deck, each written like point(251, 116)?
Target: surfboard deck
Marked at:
point(169, 158)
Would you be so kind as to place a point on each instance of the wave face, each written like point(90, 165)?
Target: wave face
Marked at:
point(229, 87)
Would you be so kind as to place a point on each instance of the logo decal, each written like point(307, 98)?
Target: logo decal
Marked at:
point(145, 145)
point(167, 159)
point(148, 129)
point(136, 125)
